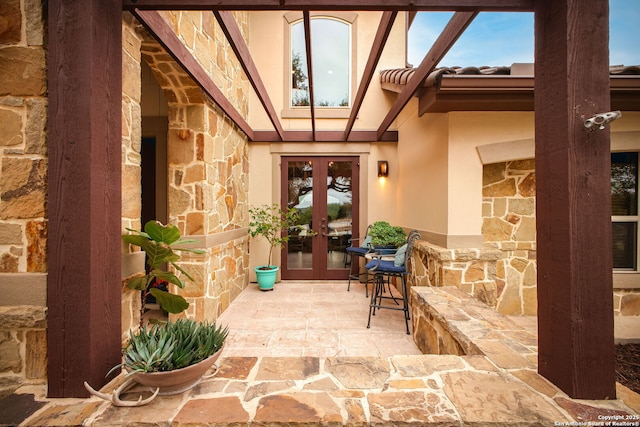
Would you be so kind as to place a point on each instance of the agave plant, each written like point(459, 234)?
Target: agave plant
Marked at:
point(160, 242)
point(172, 345)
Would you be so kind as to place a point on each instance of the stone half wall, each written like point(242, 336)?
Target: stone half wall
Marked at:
point(471, 270)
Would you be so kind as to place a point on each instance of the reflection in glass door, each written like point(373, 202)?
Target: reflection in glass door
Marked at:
point(324, 192)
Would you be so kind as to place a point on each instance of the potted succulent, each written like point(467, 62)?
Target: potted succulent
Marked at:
point(270, 222)
point(386, 237)
point(169, 358)
point(160, 243)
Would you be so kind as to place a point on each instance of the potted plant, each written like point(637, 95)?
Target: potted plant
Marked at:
point(160, 243)
point(169, 358)
point(385, 236)
point(269, 221)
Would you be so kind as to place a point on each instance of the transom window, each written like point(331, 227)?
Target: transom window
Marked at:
point(331, 61)
point(624, 210)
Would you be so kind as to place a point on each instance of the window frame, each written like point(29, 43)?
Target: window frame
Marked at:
point(288, 111)
point(633, 219)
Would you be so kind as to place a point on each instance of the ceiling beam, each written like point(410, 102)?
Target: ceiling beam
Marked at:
point(307, 42)
point(234, 37)
point(364, 5)
point(369, 136)
point(386, 22)
point(455, 27)
point(162, 32)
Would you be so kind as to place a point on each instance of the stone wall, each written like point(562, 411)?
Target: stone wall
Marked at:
point(509, 225)
point(471, 270)
point(207, 156)
point(23, 190)
point(23, 344)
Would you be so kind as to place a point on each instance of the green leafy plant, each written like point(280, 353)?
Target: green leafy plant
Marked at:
point(160, 242)
point(172, 345)
point(384, 234)
point(269, 221)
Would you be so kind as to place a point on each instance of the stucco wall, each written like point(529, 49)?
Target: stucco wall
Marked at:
point(378, 198)
point(422, 185)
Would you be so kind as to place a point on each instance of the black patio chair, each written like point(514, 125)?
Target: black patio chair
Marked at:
point(383, 269)
point(354, 252)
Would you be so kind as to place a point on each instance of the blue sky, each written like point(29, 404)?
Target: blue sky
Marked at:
point(496, 39)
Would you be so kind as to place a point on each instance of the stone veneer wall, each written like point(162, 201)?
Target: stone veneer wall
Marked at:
point(23, 189)
point(502, 274)
point(207, 157)
point(509, 225)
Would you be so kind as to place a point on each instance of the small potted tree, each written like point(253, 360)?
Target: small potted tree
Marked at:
point(271, 222)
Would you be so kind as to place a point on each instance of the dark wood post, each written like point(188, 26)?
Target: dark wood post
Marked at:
point(84, 202)
point(575, 301)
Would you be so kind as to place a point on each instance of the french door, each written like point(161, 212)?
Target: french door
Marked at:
point(324, 191)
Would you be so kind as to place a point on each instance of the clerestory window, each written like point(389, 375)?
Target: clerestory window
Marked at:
point(332, 61)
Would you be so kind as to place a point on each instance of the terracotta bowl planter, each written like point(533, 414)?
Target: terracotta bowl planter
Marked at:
point(178, 380)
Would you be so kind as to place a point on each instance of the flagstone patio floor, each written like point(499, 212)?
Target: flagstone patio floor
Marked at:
point(302, 355)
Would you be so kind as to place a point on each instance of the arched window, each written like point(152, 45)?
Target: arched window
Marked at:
point(331, 47)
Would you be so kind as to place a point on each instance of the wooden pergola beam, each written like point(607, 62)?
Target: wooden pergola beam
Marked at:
point(573, 204)
point(234, 37)
point(364, 5)
point(325, 136)
point(451, 32)
point(307, 43)
point(162, 32)
point(379, 41)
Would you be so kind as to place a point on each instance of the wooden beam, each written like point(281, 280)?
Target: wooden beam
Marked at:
point(84, 143)
point(453, 30)
point(397, 5)
point(307, 42)
point(575, 304)
point(384, 28)
point(325, 136)
point(162, 32)
point(234, 37)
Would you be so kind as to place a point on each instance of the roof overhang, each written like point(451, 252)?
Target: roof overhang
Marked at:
point(501, 93)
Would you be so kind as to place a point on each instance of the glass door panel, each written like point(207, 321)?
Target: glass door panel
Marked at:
point(339, 194)
point(300, 197)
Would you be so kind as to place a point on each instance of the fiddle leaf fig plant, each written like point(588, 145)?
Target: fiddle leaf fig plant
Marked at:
point(160, 243)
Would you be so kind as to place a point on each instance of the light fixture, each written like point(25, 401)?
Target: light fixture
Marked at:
point(383, 168)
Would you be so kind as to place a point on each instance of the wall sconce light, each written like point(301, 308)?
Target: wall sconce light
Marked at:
point(383, 168)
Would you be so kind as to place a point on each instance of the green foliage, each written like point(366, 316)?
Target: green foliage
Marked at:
point(383, 234)
point(269, 221)
point(172, 345)
point(160, 242)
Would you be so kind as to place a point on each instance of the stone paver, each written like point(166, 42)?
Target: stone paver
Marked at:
point(494, 389)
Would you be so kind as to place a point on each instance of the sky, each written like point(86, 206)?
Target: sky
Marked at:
point(501, 39)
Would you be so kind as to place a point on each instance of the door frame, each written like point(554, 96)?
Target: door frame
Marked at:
point(319, 270)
